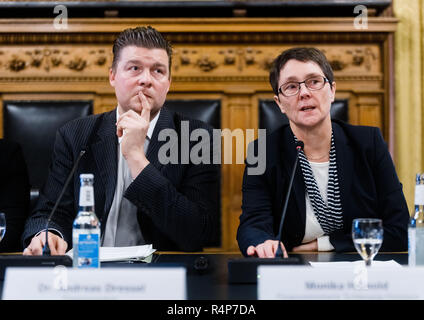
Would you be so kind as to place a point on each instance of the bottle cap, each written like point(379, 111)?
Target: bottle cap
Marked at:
point(86, 176)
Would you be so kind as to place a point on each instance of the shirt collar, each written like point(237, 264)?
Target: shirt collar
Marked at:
point(152, 125)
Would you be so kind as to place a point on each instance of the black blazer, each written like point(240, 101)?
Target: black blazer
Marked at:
point(14, 194)
point(369, 187)
point(176, 203)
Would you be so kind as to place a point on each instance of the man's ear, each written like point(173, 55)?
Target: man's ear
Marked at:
point(111, 77)
point(279, 104)
point(170, 82)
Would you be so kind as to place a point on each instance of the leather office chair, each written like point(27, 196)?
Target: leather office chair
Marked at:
point(205, 110)
point(33, 125)
point(270, 116)
point(208, 111)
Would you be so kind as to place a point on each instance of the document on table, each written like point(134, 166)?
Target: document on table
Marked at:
point(375, 263)
point(134, 253)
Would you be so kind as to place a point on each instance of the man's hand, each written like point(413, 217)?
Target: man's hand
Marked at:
point(133, 128)
point(266, 249)
point(57, 245)
point(310, 246)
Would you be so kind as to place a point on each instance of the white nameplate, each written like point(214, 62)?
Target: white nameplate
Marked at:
point(308, 283)
point(62, 283)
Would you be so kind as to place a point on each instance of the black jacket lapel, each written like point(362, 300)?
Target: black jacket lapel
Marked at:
point(105, 154)
point(289, 154)
point(345, 165)
point(165, 121)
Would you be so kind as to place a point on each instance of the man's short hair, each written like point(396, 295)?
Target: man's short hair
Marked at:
point(145, 37)
point(300, 54)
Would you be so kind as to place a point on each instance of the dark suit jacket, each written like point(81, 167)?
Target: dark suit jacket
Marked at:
point(369, 187)
point(176, 203)
point(14, 194)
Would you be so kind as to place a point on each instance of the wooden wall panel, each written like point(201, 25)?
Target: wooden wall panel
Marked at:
point(226, 59)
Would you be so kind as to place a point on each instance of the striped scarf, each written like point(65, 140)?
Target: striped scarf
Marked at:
point(330, 215)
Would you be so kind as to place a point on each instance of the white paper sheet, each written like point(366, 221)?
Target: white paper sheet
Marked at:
point(389, 263)
point(133, 253)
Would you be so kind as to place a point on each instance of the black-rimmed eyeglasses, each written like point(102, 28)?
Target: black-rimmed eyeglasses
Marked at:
point(292, 88)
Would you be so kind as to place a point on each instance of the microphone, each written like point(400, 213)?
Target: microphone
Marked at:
point(244, 270)
point(46, 249)
point(299, 147)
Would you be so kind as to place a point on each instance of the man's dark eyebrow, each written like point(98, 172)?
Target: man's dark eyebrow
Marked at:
point(132, 62)
point(158, 64)
point(137, 62)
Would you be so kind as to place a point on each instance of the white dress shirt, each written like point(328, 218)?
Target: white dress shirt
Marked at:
point(313, 229)
point(122, 227)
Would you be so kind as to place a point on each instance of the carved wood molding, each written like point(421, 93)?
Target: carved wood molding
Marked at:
point(190, 63)
point(196, 29)
point(50, 58)
point(53, 79)
point(268, 38)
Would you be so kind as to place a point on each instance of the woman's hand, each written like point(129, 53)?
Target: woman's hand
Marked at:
point(266, 249)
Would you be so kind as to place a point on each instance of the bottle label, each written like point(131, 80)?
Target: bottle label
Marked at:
point(88, 250)
point(419, 194)
point(86, 196)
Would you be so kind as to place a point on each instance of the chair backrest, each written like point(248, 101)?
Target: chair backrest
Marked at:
point(33, 124)
point(208, 111)
point(270, 116)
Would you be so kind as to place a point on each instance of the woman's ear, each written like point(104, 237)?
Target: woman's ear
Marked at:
point(333, 91)
point(279, 104)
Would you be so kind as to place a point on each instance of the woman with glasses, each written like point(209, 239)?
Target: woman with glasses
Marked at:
point(344, 171)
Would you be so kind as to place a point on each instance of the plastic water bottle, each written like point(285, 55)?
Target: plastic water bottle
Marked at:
point(416, 226)
point(86, 228)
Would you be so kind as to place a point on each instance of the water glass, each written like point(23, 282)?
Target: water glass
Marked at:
point(367, 235)
point(2, 225)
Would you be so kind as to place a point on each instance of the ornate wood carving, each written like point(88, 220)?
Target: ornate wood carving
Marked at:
point(52, 61)
point(205, 63)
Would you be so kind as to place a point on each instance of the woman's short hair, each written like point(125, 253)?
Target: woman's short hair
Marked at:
point(300, 54)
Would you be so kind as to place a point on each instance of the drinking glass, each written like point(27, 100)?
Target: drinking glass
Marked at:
point(367, 235)
point(2, 225)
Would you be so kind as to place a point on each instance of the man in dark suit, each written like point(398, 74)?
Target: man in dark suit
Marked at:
point(344, 172)
point(14, 194)
point(138, 198)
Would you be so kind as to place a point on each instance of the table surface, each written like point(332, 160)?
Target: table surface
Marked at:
point(210, 282)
